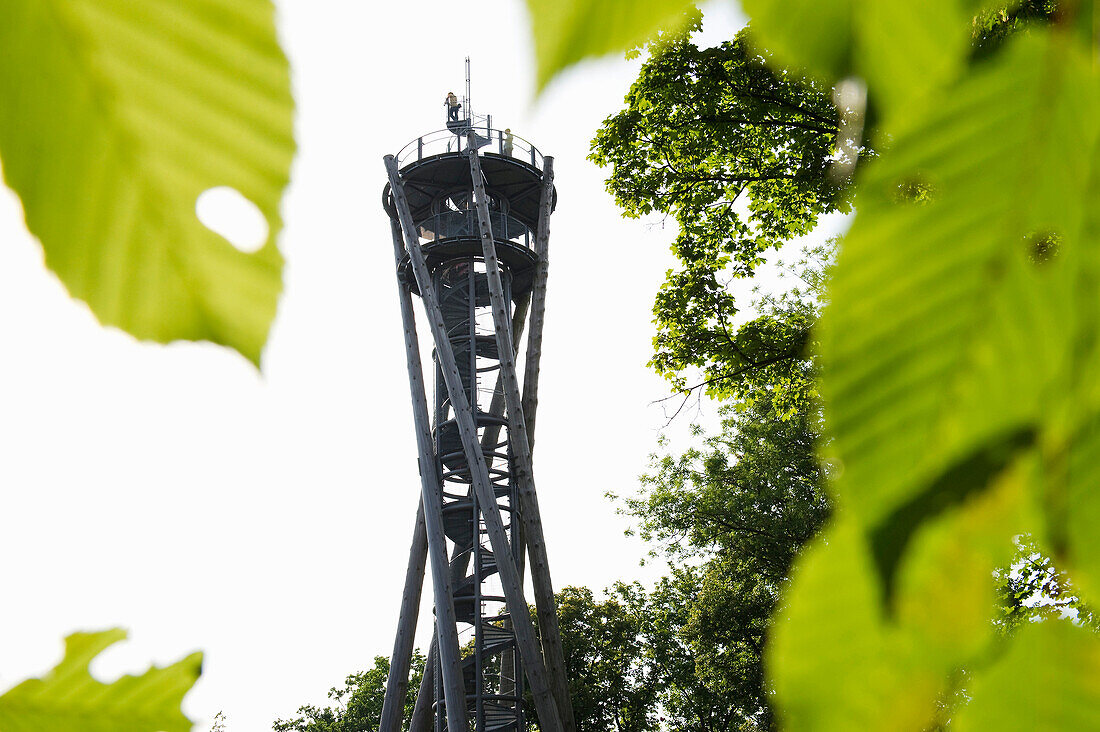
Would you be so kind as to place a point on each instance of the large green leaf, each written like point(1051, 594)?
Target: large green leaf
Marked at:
point(114, 117)
point(1073, 498)
point(68, 699)
point(1048, 681)
point(949, 330)
point(840, 658)
point(567, 31)
point(903, 49)
point(958, 355)
point(814, 35)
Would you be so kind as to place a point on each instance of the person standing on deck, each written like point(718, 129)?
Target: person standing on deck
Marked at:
point(452, 106)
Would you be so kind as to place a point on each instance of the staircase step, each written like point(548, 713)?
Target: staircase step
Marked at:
point(496, 638)
point(488, 564)
point(499, 718)
point(458, 522)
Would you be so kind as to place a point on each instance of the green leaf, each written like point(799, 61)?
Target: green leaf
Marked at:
point(567, 31)
point(114, 117)
point(893, 535)
point(945, 331)
point(1048, 680)
point(68, 699)
point(958, 357)
point(902, 49)
point(902, 69)
point(841, 658)
point(831, 619)
point(814, 35)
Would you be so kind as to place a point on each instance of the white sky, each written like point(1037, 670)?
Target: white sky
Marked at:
point(266, 519)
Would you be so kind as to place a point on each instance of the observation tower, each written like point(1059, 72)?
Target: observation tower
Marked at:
point(469, 209)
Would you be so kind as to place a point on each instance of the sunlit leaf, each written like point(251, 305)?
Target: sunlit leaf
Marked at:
point(946, 330)
point(842, 658)
point(901, 69)
point(68, 699)
point(567, 31)
point(114, 117)
point(832, 618)
point(962, 319)
point(1049, 679)
point(902, 49)
point(814, 35)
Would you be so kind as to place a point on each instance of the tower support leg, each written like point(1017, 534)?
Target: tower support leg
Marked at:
point(538, 303)
point(397, 684)
point(496, 404)
point(422, 710)
point(454, 691)
point(545, 705)
point(545, 604)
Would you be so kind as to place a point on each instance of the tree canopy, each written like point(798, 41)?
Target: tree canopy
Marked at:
point(738, 155)
point(357, 704)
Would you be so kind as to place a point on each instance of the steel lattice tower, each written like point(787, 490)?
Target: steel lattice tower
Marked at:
point(469, 208)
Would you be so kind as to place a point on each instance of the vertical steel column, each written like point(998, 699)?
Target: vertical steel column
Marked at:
point(431, 496)
point(545, 604)
point(549, 718)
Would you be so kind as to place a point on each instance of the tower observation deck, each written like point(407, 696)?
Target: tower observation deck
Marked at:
point(469, 208)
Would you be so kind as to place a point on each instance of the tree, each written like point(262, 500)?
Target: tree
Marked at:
point(358, 704)
point(738, 154)
point(1031, 589)
point(612, 684)
point(731, 516)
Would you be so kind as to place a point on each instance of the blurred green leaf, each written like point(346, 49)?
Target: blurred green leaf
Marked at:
point(814, 35)
point(114, 117)
point(939, 334)
point(831, 618)
point(903, 68)
point(1048, 680)
point(902, 49)
point(841, 658)
point(958, 358)
point(567, 31)
point(68, 699)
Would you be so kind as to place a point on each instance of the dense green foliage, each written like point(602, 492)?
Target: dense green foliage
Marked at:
point(612, 684)
point(956, 363)
point(730, 517)
point(738, 154)
point(68, 699)
point(946, 331)
point(114, 117)
point(358, 704)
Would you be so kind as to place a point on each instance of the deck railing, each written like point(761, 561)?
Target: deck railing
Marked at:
point(450, 224)
point(489, 140)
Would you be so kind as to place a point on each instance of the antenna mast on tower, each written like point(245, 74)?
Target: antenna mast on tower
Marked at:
point(469, 109)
